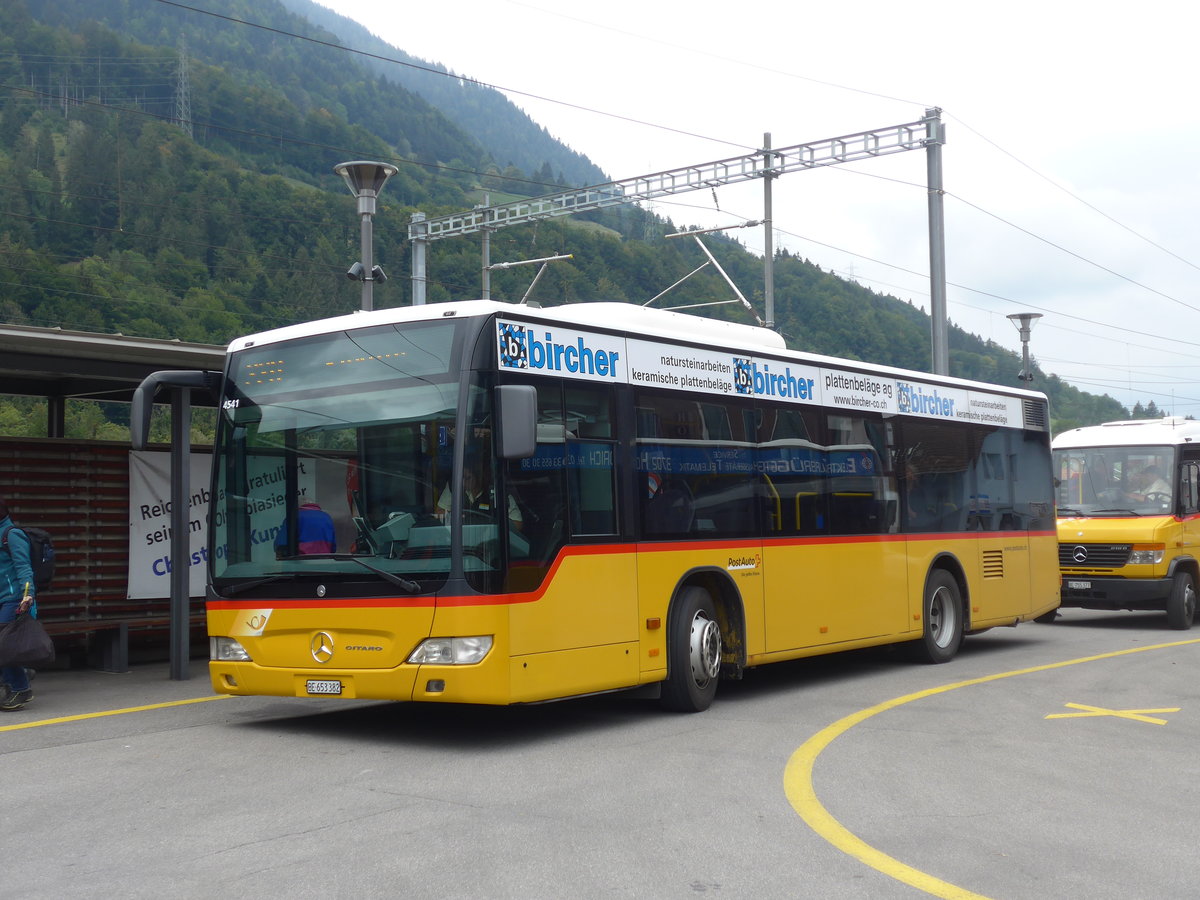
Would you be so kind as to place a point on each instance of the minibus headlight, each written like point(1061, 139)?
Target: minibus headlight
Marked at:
point(459, 651)
point(1146, 554)
point(226, 649)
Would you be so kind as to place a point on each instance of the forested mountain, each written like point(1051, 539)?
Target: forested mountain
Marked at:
point(510, 136)
point(120, 212)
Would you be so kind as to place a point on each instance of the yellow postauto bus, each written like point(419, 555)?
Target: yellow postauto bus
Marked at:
point(477, 502)
point(1129, 516)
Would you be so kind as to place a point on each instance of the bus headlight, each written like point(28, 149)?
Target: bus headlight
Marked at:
point(1146, 554)
point(459, 651)
point(226, 649)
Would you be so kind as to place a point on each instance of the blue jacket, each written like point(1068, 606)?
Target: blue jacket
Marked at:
point(15, 570)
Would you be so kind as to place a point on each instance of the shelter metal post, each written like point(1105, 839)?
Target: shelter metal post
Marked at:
point(182, 382)
point(56, 417)
point(180, 635)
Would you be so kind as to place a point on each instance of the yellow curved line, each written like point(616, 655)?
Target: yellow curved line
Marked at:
point(798, 785)
point(109, 712)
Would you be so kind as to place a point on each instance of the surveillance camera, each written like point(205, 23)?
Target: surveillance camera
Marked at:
point(356, 272)
point(377, 274)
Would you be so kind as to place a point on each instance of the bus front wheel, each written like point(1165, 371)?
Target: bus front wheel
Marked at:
point(1181, 605)
point(693, 653)
point(943, 614)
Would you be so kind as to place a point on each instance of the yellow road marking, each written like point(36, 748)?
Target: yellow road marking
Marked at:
point(798, 775)
point(1138, 715)
point(109, 712)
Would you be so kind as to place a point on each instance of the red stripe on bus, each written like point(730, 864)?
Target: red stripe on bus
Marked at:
point(404, 602)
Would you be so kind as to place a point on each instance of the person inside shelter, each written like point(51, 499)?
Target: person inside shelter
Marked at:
point(314, 532)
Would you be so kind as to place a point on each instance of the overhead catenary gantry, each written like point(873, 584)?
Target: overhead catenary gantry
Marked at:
point(927, 133)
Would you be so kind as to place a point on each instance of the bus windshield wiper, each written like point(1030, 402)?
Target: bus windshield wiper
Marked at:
point(1069, 511)
point(1128, 512)
point(404, 583)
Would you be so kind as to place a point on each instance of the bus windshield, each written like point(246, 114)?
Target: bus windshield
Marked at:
point(1114, 481)
point(331, 457)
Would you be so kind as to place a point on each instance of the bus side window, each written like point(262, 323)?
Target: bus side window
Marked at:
point(539, 482)
point(1189, 488)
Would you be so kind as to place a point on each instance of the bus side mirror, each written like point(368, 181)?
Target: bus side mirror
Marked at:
point(516, 416)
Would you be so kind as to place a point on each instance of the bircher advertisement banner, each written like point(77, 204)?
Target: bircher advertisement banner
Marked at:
point(543, 349)
point(721, 372)
point(150, 524)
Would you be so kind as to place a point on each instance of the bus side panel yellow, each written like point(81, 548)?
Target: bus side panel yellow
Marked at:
point(1000, 571)
point(660, 568)
point(825, 592)
point(1045, 577)
point(590, 601)
point(1000, 582)
point(564, 673)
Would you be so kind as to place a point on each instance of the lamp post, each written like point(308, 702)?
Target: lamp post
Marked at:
point(365, 180)
point(1024, 323)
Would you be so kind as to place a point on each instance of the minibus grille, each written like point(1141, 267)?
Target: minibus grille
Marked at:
point(1093, 556)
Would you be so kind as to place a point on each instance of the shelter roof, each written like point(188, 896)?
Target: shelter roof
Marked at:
point(54, 362)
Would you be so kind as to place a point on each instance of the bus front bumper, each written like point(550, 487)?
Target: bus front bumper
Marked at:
point(1091, 592)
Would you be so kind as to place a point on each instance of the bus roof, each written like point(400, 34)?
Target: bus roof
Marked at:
point(1136, 432)
point(629, 318)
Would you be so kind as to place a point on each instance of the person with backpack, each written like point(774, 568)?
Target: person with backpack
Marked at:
point(17, 591)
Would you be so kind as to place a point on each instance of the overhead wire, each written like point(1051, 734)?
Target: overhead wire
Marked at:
point(480, 83)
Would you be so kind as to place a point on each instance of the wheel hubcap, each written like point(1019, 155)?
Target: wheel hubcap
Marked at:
point(705, 649)
point(942, 615)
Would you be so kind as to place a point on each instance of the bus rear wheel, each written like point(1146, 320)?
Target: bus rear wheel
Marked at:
point(693, 653)
point(943, 614)
point(1181, 605)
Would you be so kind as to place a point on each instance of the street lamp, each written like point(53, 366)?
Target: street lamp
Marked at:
point(1024, 323)
point(365, 180)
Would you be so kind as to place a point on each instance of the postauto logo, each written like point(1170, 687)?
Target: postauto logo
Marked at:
point(530, 348)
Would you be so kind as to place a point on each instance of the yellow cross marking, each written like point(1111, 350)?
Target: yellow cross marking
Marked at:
point(1138, 715)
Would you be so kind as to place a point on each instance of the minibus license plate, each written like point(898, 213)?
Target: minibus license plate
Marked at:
point(323, 687)
point(1079, 585)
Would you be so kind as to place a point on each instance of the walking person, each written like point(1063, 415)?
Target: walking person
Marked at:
point(16, 596)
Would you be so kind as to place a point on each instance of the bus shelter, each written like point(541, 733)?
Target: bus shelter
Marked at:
point(79, 490)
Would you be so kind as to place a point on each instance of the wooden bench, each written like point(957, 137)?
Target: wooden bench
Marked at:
point(109, 636)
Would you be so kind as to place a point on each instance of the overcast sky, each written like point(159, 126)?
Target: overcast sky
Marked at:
point(1070, 164)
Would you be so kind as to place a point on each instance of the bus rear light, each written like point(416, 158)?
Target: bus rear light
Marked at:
point(459, 651)
point(226, 649)
point(1146, 554)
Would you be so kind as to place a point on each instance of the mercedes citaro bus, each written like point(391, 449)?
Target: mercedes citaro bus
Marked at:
point(532, 504)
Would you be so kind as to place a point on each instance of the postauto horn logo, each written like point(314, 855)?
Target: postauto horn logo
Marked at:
point(521, 347)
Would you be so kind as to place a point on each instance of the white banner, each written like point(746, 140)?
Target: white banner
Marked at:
point(556, 350)
point(150, 524)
